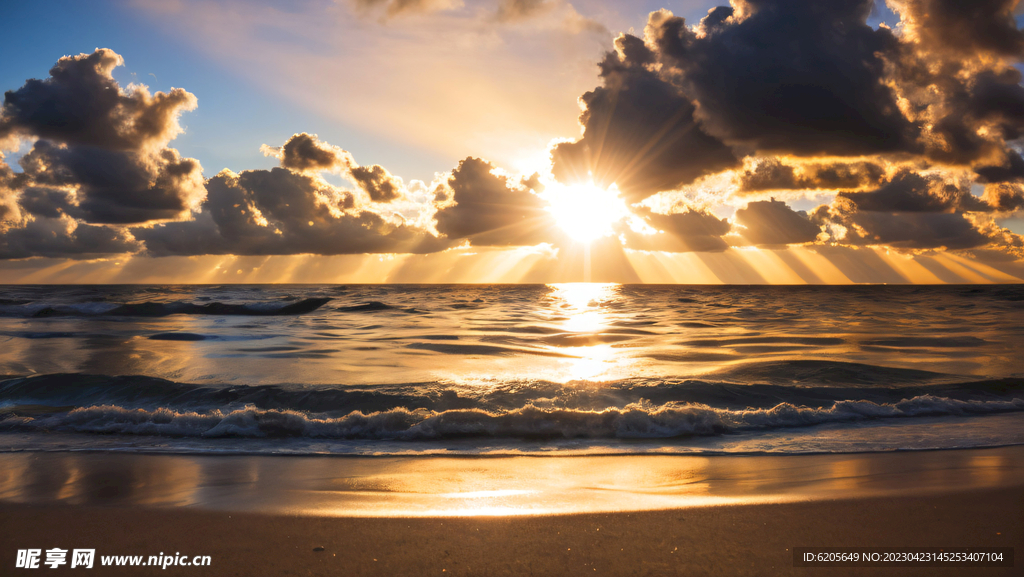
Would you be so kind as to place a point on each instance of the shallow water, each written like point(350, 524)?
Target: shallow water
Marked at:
point(510, 369)
point(439, 486)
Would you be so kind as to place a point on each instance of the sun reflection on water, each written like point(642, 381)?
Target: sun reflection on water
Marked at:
point(582, 304)
point(584, 307)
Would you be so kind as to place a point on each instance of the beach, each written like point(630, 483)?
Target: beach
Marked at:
point(723, 515)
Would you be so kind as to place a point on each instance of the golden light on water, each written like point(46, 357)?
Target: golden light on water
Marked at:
point(417, 487)
point(583, 305)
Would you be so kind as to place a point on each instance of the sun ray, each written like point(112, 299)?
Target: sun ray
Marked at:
point(586, 212)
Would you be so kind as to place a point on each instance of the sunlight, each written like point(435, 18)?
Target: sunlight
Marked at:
point(585, 212)
point(583, 307)
point(581, 302)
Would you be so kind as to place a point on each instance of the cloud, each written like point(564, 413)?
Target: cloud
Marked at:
point(797, 77)
point(305, 152)
point(687, 231)
point(282, 211)
point(1004, 197)
point(812, 79)
point(392, 8)
point(81, 104)
point(1011, 169)
point(773, 223)
point(914, 211)
point(64, 237)
point(638, 131)
point(896, 128)
point(103, 146)
point(115, 186)
point(904, 230)
point(519, 10)
point(377, 182)
point(491, 209)
point(772, 174)
point(909, 191)
point(10, 183)
point(959, 27)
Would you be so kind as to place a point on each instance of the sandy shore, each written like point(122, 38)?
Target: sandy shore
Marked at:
point(719, 540)
point(119, 515)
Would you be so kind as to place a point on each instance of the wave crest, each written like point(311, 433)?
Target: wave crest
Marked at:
point(635, 421)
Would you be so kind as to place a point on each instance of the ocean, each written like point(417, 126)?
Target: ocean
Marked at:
point(573, 369)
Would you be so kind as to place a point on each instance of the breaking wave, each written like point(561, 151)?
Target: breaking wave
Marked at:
point(635, 421)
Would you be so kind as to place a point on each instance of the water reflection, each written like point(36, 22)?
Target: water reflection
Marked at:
point(403, 334)
point(585, 306)
point(499, 486)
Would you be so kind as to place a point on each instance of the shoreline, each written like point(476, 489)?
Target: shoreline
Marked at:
point(452, 486)
point(625, 515)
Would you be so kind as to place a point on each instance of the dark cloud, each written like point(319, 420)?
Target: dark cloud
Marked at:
point(811, 78)
point(103, 146)
point(909, 191)
point(772, 174)
point(81, 104)
point(686, 231)
point(490, 209)
point(66, 238)
point(957, 78)
point(773, 223)
point(377, 182)
point(909, 230)
point(305, 152)
point(1012, 169)
point(639, 131)
point(962, 26)
point(716, 19)
point(995, 99)
point(281, 211)
point(46, 202)
point(1005, 197)
point(844, 174)
point(800, 77)
point(118, 186)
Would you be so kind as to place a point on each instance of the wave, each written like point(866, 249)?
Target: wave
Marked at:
point(635, 421)
point(161, 309)
point(76, 389)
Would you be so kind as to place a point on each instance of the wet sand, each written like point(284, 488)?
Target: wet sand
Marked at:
point(732, 515)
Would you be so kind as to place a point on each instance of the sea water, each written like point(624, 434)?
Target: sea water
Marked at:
point(510, 369)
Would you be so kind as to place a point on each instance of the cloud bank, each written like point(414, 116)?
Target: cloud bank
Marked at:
point(768, 123)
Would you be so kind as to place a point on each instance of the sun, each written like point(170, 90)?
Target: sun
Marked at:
point(585, 211)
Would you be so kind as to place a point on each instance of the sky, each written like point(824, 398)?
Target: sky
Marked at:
point(762, 141)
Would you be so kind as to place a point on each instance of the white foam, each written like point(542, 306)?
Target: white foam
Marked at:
point(635, 421)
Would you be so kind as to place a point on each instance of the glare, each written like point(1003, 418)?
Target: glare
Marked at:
point(585, 212)
point(581, 303)
point(583, 306)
